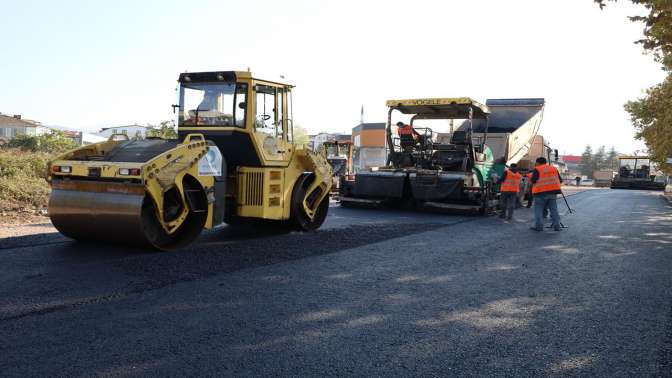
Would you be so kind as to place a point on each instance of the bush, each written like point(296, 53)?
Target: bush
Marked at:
point(23, 179)
point(53, 142)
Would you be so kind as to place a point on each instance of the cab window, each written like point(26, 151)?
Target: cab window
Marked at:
point(266, 114)
point(212, 104)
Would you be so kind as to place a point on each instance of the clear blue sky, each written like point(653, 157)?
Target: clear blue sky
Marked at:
point(90, 64)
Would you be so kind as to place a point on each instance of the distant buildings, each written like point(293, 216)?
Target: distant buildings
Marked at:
point(14, 125)
point(573, 163)
point(369, 145)
point(320, 138)
point(132, 131)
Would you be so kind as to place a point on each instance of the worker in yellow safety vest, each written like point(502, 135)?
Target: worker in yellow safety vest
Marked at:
point(509, 188)
point(546, 185)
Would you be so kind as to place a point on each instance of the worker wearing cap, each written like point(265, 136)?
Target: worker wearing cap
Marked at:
point(545, 189)
point(404, 129)
point(510, 186)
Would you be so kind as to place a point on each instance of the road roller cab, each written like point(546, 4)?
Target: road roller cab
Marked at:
point(235, 158)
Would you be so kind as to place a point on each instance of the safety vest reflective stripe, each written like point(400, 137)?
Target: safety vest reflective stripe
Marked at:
point(512, 182)
point(548, 180)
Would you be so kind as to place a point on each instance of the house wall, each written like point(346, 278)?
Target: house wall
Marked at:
point(132, 131)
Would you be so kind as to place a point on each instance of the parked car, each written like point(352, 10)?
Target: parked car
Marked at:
point(587, 182)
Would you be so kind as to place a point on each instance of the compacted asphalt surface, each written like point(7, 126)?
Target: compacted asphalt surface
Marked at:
point(372, 293)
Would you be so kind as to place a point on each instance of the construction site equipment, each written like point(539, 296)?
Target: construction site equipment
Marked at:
point(513, 136)
point(448, 171)
point(571, 211)
point(636, 172)
point(424, 173)
point(512, 131)
point(339, 156)
point(603, 177)
point(235, 159)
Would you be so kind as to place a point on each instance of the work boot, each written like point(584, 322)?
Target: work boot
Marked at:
point(536, 229)
point(556, 228)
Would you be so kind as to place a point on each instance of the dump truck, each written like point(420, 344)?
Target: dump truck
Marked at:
point(637, 172)
point(513, 135)
point(513, 129)
point(235, 159)
point(447, 171)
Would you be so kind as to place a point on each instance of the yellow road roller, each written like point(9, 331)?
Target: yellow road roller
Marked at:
point(235, 159)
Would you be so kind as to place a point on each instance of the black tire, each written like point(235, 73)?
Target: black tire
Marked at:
point(299, 219)
point(188, 231)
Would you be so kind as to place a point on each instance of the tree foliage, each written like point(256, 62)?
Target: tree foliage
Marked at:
point(599, 160)
point(612, 159)
point(587, 162)
point(300, 135)
point(165, 130)
point(652, 113)
point(52, 142)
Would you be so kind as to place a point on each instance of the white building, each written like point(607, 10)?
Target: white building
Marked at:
point(320, 138)
point(132, 131)
point(13, 125)
point(88, 138)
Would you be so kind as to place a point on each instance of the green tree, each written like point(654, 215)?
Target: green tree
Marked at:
point(52, 142)
point(300, 135)
point(599, 159)
point(587, 162)
point(612, 159)
point(165, 130)
point(652, 113)
point(652, 117)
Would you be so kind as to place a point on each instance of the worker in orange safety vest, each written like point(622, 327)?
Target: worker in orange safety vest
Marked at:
point(404, 129)
point(546, 185)
point(509, 188)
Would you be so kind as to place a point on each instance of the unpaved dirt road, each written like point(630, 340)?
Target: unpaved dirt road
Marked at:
point(373, 293)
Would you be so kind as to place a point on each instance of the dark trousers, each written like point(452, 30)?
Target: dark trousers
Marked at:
point(508, 204)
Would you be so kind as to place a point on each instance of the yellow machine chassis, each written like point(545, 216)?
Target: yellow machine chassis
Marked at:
point(166, 201)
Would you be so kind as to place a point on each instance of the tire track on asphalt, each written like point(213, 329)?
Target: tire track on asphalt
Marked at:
point(213, 256)
point(158, 270)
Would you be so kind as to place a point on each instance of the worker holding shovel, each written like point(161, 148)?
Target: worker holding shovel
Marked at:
point(510, 186)
point(546, 185)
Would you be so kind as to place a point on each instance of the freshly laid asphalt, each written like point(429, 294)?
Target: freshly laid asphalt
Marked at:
point(372, 293)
